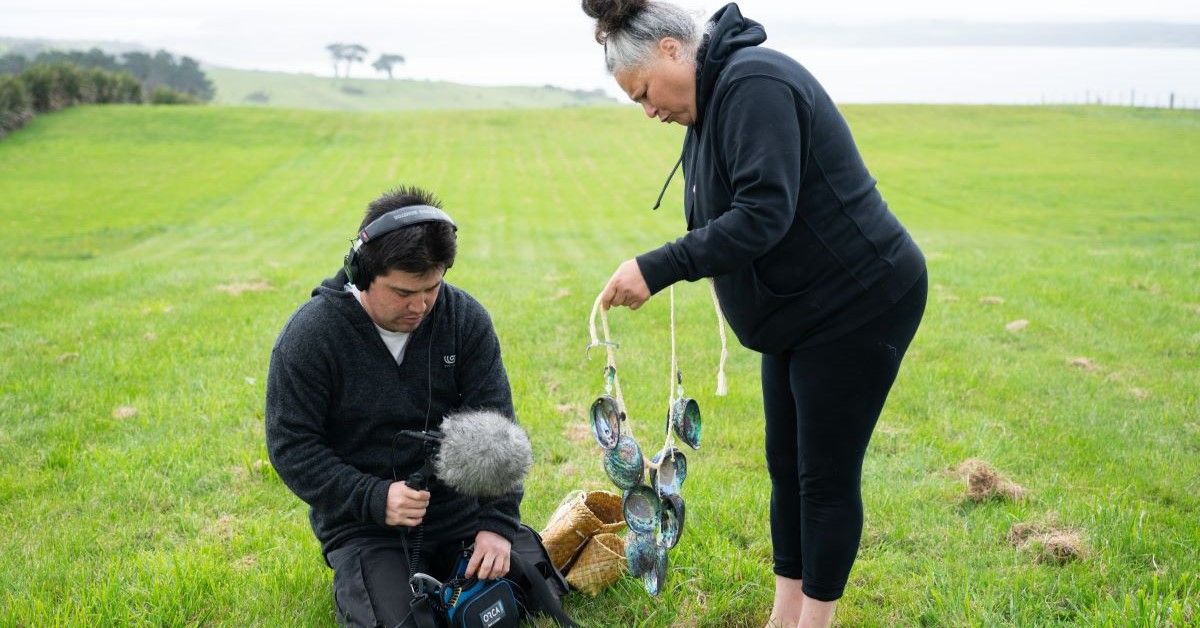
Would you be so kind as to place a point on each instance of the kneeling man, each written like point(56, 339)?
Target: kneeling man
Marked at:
point(383, 346)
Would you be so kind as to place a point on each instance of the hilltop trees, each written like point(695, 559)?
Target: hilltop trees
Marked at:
point(162, 70)
point(385, 62)
point(354, 53)
point(348, 53)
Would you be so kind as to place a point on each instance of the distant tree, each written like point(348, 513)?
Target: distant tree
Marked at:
point(137, 64)
point(52, 86)
point(338, 52)
point(15, 106)
point(13, 63)
point(190, 79)
point(385, 62)
point(184, 76)
point(353, 53)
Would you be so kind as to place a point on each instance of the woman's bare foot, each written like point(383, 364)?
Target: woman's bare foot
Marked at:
point(816, 614)
point(789, 601)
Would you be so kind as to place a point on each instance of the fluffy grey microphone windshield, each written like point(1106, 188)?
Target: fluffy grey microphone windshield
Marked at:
point(483, 453)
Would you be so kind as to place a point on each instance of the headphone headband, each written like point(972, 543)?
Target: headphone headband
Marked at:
point(391, 221)
point(404, 217)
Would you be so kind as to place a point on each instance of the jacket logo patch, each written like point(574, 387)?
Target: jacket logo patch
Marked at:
point(448, 360)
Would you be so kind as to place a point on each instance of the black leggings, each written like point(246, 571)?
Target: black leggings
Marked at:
point(821, 405)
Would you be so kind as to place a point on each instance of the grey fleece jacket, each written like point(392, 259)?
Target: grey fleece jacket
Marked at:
point(336, 401)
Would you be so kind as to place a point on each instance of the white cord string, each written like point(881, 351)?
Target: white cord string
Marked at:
point(610, 349)
point(722, 383)
point(672, 391)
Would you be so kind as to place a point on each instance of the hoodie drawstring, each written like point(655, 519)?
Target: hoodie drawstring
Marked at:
point(668, 181)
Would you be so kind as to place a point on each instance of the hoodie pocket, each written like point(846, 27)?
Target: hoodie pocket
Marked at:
point(747, 302)
point(777, 285)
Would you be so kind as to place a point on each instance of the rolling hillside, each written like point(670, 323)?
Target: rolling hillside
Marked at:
point(307, 91)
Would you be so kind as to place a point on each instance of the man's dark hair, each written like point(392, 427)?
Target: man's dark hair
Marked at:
point(417, 249)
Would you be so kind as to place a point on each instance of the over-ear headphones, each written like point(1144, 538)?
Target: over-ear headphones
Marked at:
point(391, 221)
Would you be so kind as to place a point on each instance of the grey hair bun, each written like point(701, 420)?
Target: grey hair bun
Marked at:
point(612, 15)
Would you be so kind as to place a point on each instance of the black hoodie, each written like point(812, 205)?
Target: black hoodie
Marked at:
point(781, 211)
point(336, 400)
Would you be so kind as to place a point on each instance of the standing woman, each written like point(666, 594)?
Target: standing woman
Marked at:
point(810, 267)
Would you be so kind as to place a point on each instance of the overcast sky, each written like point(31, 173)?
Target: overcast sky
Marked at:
point(466, 39)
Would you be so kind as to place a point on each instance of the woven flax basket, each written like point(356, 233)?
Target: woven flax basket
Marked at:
point(579, 517)
point(599, 564)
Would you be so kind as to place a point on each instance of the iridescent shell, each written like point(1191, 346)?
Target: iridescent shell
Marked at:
point(685, 420)
point(606, 421)
point(672, 521)
point(656, 578)
point(641, 553)
point(643, 510)
point(670, 473)
point(624, 463)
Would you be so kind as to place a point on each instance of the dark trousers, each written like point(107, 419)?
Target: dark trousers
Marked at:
point(370, 579)
point(821, 406)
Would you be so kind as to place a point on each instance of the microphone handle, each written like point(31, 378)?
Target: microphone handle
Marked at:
point(419, 479)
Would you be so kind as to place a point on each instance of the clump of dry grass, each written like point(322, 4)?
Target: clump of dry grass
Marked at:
point(225, 527)
point(1082, 363)
point(984, 482)
point(1017, 325)
point(1051, 543)
point(577, 432)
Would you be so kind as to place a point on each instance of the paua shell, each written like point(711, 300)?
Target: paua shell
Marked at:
point(641, 553)
point(656, 578)
point(643, 510)
point(606, 421)
point(668, 478)
point(672, 521)
point(624, 463)
point(685, 420)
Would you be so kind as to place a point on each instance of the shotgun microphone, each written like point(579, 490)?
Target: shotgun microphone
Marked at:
point(480, 453)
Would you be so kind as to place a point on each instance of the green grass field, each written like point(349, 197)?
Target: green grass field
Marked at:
point(307, 91)
point(154, 253)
